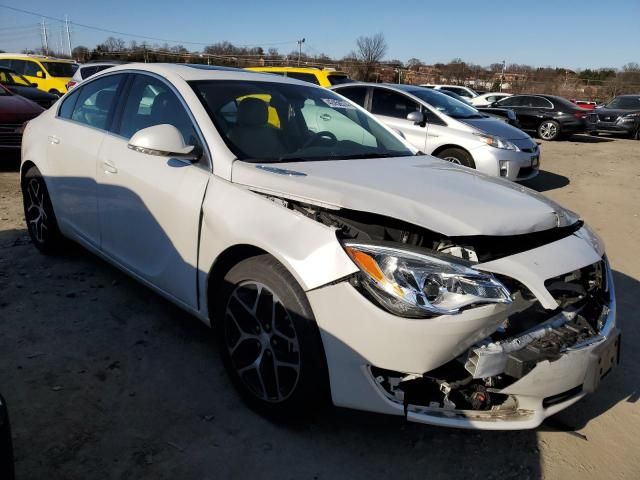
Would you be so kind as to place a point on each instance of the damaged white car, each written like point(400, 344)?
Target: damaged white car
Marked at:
point(332, 260)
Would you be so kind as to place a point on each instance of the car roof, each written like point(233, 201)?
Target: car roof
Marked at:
point(99, 64)
point(42, 58)
point(196, 72)
point(297, 70)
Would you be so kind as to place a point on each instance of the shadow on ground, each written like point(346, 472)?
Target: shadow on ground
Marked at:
point(103, 375)
point(588, 139)
point(9, 161)
point(546, 181)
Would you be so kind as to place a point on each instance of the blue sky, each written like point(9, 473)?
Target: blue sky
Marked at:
point(572, 33)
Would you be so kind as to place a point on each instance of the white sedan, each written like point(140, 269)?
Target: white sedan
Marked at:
point(333, 262)
point(488, 99)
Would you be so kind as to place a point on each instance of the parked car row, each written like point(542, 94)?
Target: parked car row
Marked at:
point(335, 261)
point(442, 126)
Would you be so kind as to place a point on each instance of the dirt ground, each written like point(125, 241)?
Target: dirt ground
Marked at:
point(106, 380)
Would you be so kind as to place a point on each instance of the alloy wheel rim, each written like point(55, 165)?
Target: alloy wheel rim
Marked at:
point(262, 342)
point(548, 130)
point(37, 217)
point(453, 160)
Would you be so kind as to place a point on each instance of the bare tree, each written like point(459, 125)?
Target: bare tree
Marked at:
point(369, 52)
point(414, 63)
point(81, 53)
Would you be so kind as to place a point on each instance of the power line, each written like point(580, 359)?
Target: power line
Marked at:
point(115, 32)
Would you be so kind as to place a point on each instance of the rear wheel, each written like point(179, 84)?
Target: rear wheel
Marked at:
point(636, 135)
point(55, 92)
point(269, 340)
point(38, 212)
point(549, 130)
point(458, 156)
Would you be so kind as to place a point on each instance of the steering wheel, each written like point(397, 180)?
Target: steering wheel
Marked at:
point(326, 136)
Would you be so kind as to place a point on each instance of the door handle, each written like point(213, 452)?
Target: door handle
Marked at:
point(53, 140)
point(109, 167)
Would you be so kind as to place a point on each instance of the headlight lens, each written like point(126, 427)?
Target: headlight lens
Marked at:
point(632, 116)
point(498, 142)
point(416, 285)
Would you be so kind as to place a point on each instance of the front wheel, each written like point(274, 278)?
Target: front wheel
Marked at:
point(269, 340)
point(38, 213)
point(458, 156)
point(549, 130)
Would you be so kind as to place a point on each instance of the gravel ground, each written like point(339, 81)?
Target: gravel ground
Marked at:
point(105, 379)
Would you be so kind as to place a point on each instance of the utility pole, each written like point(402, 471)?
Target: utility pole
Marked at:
point(66, 24)
point(45, 43)
point(300, 42)
point(502, 74)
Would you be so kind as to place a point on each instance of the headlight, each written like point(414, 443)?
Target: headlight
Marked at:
point(631, 116)
point(416, 285)
point(498, 142)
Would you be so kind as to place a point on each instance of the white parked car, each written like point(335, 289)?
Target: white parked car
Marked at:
point(465, 92)
point(86, 70)
point(332, 260)
point(442, 126)
point(487, 99)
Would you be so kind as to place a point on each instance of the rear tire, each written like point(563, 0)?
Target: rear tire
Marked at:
point(636, 135)
point(549, 130)
point(458, 156)
point(55, 92)
point(39, 215)
point(269, 340)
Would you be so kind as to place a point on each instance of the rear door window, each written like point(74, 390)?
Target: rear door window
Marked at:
point(95, 102)
point(512, 102)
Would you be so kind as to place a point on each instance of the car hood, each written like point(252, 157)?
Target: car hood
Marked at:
point(17, 109)
point(496, 127)
point(617, 112)
point(31, 93)
point(422, 190)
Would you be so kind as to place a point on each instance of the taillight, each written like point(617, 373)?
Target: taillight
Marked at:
point(71, 84)
point(580, 114)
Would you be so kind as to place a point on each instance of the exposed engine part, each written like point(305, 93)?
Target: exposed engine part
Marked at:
point(362, 226)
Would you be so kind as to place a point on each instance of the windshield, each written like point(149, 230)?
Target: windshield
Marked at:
point(279, 122)
point(445, 104)
point(59, 69)
point(9, 77)
point(339, 79)
point(624, 103)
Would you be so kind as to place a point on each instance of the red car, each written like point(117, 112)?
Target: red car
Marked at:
point(585, 104)
point(15, 110)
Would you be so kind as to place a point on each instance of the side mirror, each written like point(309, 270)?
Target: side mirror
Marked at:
point(417, 118)
point(163, 140)
point(34, 84)
point(40, 74)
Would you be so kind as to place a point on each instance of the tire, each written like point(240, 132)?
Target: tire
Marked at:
point(458, 156)
point(636, 135)
point(55, 92)
point(594, 134)
point(265, 318)
point(549, 130)
point(39, 215)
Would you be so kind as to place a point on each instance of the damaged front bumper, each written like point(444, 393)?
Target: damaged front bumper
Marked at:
point(416, 368)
